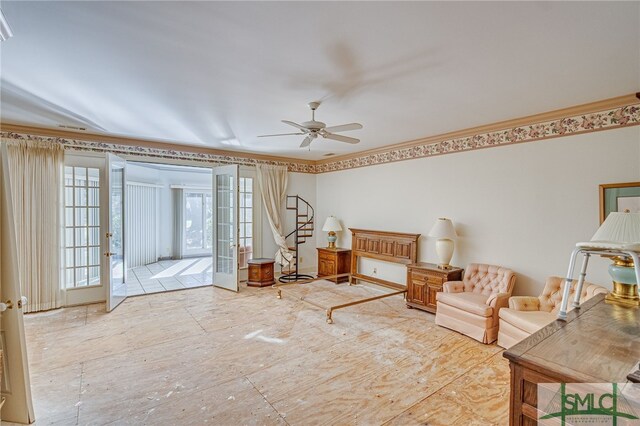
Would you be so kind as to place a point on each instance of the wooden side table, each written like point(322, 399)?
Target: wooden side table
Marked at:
point(261, 272)
point(334, 262)
point(424, 281)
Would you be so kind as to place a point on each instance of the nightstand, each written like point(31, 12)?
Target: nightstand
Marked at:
point(260, 272)
point(334, 262)
point(424, 280)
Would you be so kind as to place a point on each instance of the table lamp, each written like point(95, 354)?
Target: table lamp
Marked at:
point(621, 229)
point(444, 232)
point(332, 225)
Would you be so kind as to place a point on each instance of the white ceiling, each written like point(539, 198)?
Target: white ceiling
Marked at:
point(218, 74)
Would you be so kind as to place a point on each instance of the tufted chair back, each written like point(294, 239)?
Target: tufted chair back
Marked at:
point(551, 296)
point(488, 279)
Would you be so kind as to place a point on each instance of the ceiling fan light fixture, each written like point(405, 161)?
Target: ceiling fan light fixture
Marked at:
point(312, 129)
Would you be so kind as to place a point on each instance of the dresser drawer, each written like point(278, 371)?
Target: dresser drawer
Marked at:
point(435, 279)
point(419, 275)
point(326, 255)
point(427, 277)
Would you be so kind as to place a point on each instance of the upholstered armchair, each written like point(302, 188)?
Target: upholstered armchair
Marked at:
point(528, 314)
point(471, 306)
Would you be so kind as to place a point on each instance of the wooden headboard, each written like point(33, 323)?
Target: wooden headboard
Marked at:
point(393, 247)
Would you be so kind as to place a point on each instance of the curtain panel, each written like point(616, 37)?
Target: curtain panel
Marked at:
point(178, 223)
point(273, 182)
point(35, 183)
point(142, 224)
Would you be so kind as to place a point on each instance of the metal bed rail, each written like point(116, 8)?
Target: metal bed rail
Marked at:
point(329, 309)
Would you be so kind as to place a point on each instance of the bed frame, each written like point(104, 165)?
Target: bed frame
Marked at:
point(394, 247)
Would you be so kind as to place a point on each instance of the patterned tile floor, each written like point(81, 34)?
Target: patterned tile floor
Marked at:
point(168, 275)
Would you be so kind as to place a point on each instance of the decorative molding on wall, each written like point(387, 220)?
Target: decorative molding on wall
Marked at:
point(212, 157)
point(607, 114)
point(603, 115)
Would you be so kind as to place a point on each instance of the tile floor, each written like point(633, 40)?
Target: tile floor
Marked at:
point(210, 356)
point(168, 275)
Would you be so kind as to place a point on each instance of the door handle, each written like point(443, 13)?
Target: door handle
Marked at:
point(6, 305)
point(109, 234)
point(23, 301)
point(108, 254)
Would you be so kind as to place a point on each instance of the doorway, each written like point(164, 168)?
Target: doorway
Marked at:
point(168, 233)
point(169, 227)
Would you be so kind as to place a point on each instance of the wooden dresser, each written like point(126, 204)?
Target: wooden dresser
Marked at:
point(599, 343)
point(424, 280)
point(334, 262)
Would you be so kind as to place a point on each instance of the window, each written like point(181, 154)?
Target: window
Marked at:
point(198, 221)
point(246, 221)
point(82, 226)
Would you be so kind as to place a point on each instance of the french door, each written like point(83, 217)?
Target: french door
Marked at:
point(84, 225)
point(115, 270)
point(225, 229)
point(15, 387)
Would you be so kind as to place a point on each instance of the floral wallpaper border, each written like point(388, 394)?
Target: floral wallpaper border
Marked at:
point(142, 151)
point(604, 120)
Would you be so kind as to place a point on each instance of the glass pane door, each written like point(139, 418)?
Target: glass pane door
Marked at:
point(225, 231)
point(117, 289)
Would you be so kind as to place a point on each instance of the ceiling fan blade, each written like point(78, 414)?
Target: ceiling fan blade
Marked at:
point(280, 134)
point(306, 142)
point(344, 127)
point(340, 138)
point(291, 123)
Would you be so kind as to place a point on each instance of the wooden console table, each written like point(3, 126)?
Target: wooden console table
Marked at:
point(599, 343)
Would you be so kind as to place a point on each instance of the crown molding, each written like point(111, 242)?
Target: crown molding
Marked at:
point(156, 151)
point(577, 110)
point(147, 143)
point(621, 111)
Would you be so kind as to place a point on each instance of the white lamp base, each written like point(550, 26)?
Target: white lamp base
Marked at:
point(444, 250)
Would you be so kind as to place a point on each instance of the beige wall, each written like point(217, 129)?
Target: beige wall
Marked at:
point(522, 206)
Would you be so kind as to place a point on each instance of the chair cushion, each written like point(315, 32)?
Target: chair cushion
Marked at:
point(474, 303)
point(488, 279)
point(529, 321)
point(552, 293)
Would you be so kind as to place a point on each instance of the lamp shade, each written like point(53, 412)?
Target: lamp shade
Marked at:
point(332, 225)
point(619, 228)
point(443, 228)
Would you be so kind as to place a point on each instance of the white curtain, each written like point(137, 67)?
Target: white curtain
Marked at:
point(273, 186)
point(35, 181)
point(178, 222)
point(142, 224)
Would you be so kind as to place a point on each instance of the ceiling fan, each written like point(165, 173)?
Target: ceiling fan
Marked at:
point(312, 129)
